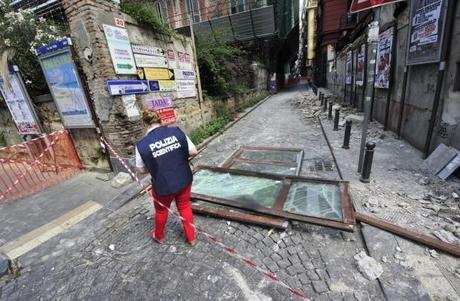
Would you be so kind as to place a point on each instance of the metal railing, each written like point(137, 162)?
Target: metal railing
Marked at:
point(34, 165)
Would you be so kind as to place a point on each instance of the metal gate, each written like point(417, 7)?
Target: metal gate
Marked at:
point(34, 165)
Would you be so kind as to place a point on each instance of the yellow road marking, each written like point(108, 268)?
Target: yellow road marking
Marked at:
point(36, 237)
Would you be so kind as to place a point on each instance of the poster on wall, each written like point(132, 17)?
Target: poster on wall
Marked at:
point(426, 30)
point(184, 61)
point(66, 88)
point(383, 64)
point(19, 105)
point(348, 68)
point(120, 50)
point(360, 65)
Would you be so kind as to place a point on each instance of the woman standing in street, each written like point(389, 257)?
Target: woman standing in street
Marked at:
point(164, 152)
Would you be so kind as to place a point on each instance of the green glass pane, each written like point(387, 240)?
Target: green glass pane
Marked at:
point(267, 155)
point(268, 168)
point(243, 189)
point(314, 199)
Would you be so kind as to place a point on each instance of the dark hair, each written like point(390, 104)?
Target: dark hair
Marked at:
point(150, 116)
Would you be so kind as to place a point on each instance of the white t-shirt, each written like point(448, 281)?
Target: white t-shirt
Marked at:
point(140, 163)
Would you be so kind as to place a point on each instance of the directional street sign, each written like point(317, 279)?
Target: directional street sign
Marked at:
point(150, 61)
point(120, 49)
point(148, 50)
point(124, 87)
point(167, 85)
point(158, 73)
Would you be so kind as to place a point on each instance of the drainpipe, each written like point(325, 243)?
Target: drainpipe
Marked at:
point(441, 71)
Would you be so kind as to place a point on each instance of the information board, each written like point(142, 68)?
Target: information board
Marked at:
point(360, 65)
point(426, 31)
point(120, 50)
point(65, 86)
point(19, 105)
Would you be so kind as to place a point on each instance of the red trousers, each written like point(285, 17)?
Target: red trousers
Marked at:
point(184, 207)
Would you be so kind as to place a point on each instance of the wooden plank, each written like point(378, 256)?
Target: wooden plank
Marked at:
point(239, 216)
point(414, 236)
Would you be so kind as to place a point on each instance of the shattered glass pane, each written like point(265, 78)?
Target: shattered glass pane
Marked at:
point(270, 155)
point(314, 199)
point(268, 168)
point(243, 189)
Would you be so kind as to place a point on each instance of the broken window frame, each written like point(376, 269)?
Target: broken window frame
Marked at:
point(236, 157)
point(348, 218)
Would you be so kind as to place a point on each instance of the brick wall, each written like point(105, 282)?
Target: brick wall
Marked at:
point(86, 18)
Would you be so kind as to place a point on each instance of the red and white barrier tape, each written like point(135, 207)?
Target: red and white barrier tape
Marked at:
point(212, 238)
point(29, 168)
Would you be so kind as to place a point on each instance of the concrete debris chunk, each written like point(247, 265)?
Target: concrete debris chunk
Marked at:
point(4, 264)
point(424, 181)
point(434, 254)
point(446, 236)
point(368, 266)
point(121, 179)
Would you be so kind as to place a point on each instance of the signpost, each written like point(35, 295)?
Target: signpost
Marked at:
point(360, 5)
point(19, 104)
point(372, 39)
point(150, 61)
point(158, 73)
point(120, 49)
point(124, 87)
point(148, 50)
point(154, 85)
point(65, 85)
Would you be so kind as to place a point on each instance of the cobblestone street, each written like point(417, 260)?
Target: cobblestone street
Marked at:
point(109, 256)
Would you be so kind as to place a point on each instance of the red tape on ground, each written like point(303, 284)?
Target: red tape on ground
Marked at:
point(212, 238)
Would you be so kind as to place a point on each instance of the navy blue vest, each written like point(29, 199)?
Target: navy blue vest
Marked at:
point(165, 154)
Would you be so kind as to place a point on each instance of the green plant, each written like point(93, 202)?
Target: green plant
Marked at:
point(145, 14)
point(200, 134)
point(220, 70)
point(21, 33)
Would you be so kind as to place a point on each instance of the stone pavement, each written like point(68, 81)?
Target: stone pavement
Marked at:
point(109, 256)
point(23, 215)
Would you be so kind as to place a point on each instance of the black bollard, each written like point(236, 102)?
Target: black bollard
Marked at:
point(336, 119)
point(321, 98)
point(325, 104)
point(329, 113)
point(346, 138)
point(367, 164)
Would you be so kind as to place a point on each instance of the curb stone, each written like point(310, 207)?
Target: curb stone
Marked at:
point(4, 264)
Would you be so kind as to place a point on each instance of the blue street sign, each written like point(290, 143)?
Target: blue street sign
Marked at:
point(154, 85)
point(124, 87)
point(53, 46)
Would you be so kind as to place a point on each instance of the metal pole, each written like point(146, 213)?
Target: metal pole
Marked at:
point(329, 113)
point(336, 119)
point(346, 138)
point(367, 165)
point(372, 38)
